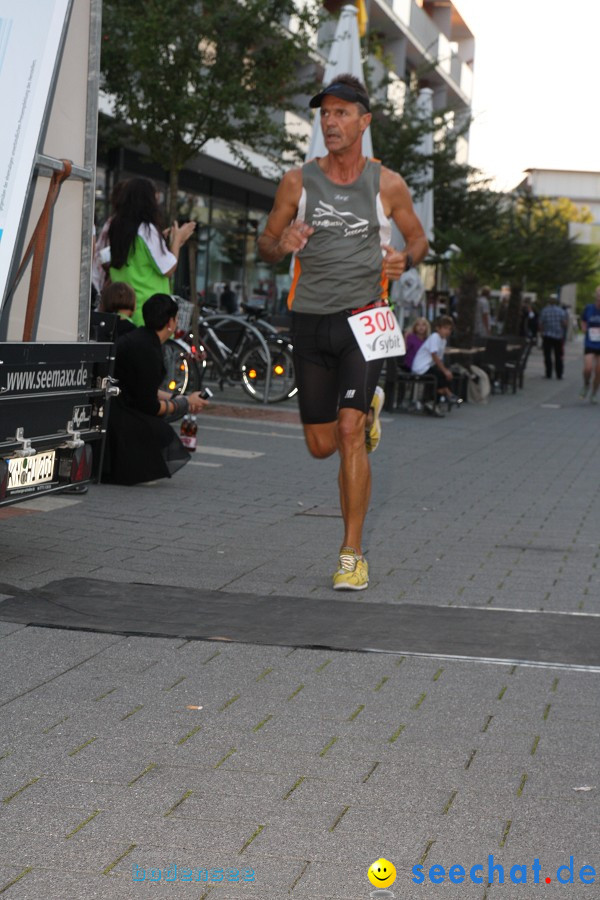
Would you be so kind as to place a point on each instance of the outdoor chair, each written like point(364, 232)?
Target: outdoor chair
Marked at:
point(103, 326)
point(460, 381)
point(515, 368)
point(412, 391)
point(494, 360)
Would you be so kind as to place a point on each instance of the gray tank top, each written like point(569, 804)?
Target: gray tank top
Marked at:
point(341, 266)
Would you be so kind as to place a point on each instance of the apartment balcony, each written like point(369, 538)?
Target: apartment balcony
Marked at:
point(416, 40)
point(425, 30)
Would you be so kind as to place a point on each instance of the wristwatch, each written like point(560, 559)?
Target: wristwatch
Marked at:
point(409, 262)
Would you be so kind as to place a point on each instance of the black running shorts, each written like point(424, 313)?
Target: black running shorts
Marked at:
point(331, 372)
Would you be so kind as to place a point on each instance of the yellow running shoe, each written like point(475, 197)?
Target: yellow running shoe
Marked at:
point(373, 432)
point(353, 573)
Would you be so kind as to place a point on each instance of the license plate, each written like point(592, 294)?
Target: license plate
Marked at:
point(28, 470)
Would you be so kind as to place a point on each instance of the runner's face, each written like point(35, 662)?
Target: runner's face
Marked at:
point(341, 123)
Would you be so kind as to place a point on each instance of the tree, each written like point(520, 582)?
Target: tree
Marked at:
point(183, 72)
point(540, 255)
point(466, 211)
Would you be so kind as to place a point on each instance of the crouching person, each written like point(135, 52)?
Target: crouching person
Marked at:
point(141, 445)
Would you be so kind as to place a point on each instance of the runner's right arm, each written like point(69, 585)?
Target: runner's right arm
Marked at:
point(283, 233)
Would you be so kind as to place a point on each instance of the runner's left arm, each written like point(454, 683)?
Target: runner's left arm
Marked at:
point(398, 205)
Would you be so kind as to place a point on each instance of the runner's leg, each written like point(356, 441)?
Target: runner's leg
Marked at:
point(358, 380)
point(596, 384)
point(321, 439)
point(318, 393)
point(354, 477)
point(588, 367)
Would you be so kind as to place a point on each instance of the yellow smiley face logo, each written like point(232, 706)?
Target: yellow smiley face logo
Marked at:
point(382, 873)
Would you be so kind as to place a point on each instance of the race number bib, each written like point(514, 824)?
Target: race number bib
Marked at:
point(377, 333)
point(594, 335)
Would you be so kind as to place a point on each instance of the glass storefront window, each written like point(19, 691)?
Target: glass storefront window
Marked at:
point(266, 284)
point(193, 207)
point(224, 259)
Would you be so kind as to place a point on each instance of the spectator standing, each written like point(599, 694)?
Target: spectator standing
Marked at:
point(139, 253)
point(482, 314)
point(101, 253)
point(228, 300)
point(590, 323)
point(553, 325)
point(529, 322)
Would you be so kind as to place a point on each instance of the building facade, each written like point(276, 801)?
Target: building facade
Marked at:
point(582, 188)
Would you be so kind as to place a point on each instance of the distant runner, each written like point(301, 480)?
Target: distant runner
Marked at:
point(334, 213)
point(590, 322)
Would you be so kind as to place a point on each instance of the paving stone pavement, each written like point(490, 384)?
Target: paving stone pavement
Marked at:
point(297, 768)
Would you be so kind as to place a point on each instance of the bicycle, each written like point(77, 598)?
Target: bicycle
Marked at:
point(233, 350)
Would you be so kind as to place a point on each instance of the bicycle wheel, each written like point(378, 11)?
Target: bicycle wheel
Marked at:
point(195, 375)
point(184, 370)
point(177, 368)
point(253, 369)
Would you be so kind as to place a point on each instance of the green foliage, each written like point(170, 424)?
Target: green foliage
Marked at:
point(586, 289)
point(480, 235)
point(183, 72)
point(542, 256)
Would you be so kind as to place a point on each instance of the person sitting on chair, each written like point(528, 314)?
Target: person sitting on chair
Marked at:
point(429, 360)
point(119, 298)
point(414, 337)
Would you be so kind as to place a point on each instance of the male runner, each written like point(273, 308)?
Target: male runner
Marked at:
point(333, 214)
point(590, 323)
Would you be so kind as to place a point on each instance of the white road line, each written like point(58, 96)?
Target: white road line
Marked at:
point(208, 465)
point(237, 420)
point(488, 660)
point(289, 437)
point(226, 451)
point(541, 612)
point(49, 503)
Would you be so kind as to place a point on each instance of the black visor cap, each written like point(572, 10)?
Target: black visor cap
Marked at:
point(344, 92)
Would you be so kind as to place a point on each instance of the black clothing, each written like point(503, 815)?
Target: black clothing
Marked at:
point(529, 324)
point(331, 371)
point(553, 346)
point(229, 301)
point(141, 446)
point(108, 327)
point(124, 326)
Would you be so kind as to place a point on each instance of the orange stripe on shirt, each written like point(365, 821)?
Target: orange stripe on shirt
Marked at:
point(297, 271)
point(385, 282)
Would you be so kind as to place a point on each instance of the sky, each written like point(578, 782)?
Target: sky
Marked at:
point(536, 86)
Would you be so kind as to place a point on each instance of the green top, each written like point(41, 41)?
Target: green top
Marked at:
point(144, 276)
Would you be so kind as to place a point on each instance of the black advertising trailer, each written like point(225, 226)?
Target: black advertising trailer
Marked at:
point(53, 409)
point(54, 382)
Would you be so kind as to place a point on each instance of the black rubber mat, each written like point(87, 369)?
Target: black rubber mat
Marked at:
point(144, 609)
